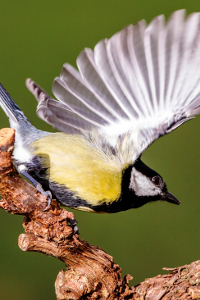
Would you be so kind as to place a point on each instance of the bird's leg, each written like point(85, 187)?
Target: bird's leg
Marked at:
point(48, 194)
point(39, 188)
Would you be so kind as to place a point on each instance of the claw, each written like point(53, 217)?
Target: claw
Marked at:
point(73, 224)
point(49, 198)
point(46, 194)
point(39, 188)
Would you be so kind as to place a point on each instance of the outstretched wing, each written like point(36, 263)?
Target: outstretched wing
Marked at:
point(145, 80)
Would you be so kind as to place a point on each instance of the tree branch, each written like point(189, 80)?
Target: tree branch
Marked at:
point(91, 273)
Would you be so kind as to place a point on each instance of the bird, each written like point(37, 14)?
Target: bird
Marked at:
point(133, 88)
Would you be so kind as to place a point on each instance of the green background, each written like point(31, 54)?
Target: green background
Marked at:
point(37, 37)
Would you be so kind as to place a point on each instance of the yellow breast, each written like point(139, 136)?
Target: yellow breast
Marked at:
point(85, 170)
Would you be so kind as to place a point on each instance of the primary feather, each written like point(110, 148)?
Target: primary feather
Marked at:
point(143, 81)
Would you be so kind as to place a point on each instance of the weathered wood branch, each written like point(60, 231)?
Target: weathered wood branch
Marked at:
point(91, 273)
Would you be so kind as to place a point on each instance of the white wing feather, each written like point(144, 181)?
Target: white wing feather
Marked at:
point(144, 81)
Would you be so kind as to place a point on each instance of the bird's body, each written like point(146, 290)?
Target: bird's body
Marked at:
point(98, 175)
point(135, 87)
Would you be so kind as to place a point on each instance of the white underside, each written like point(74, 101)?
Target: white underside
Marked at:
point(21, 153)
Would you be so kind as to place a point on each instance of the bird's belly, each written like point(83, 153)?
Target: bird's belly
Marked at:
point(83, 172)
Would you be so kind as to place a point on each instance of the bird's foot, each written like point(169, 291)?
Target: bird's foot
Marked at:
point(74, 226)
point(39, 188)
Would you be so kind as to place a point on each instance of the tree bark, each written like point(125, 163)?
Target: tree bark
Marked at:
point(91, 273)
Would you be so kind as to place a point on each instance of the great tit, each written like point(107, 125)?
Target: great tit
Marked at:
point(140, 84)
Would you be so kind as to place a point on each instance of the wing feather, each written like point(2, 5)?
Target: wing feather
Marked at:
point(58, 114)
point(106, 69)
point(144, 81)
point(72, 102)
point(90, 73)
point(76, 86)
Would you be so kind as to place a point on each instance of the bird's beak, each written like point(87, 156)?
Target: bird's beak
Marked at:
point(167, 196)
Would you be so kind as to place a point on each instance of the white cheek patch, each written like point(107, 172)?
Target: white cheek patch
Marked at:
point(142, 185)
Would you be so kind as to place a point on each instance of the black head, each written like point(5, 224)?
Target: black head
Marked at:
point(145, 185)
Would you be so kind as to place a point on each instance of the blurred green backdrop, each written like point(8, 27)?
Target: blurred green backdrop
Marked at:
point(37, 37)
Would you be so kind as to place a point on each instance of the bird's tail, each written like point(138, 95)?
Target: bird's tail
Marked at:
point(12, 110)
point(25, 132)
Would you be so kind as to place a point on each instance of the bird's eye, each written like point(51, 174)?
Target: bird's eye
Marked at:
point(156, 180)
